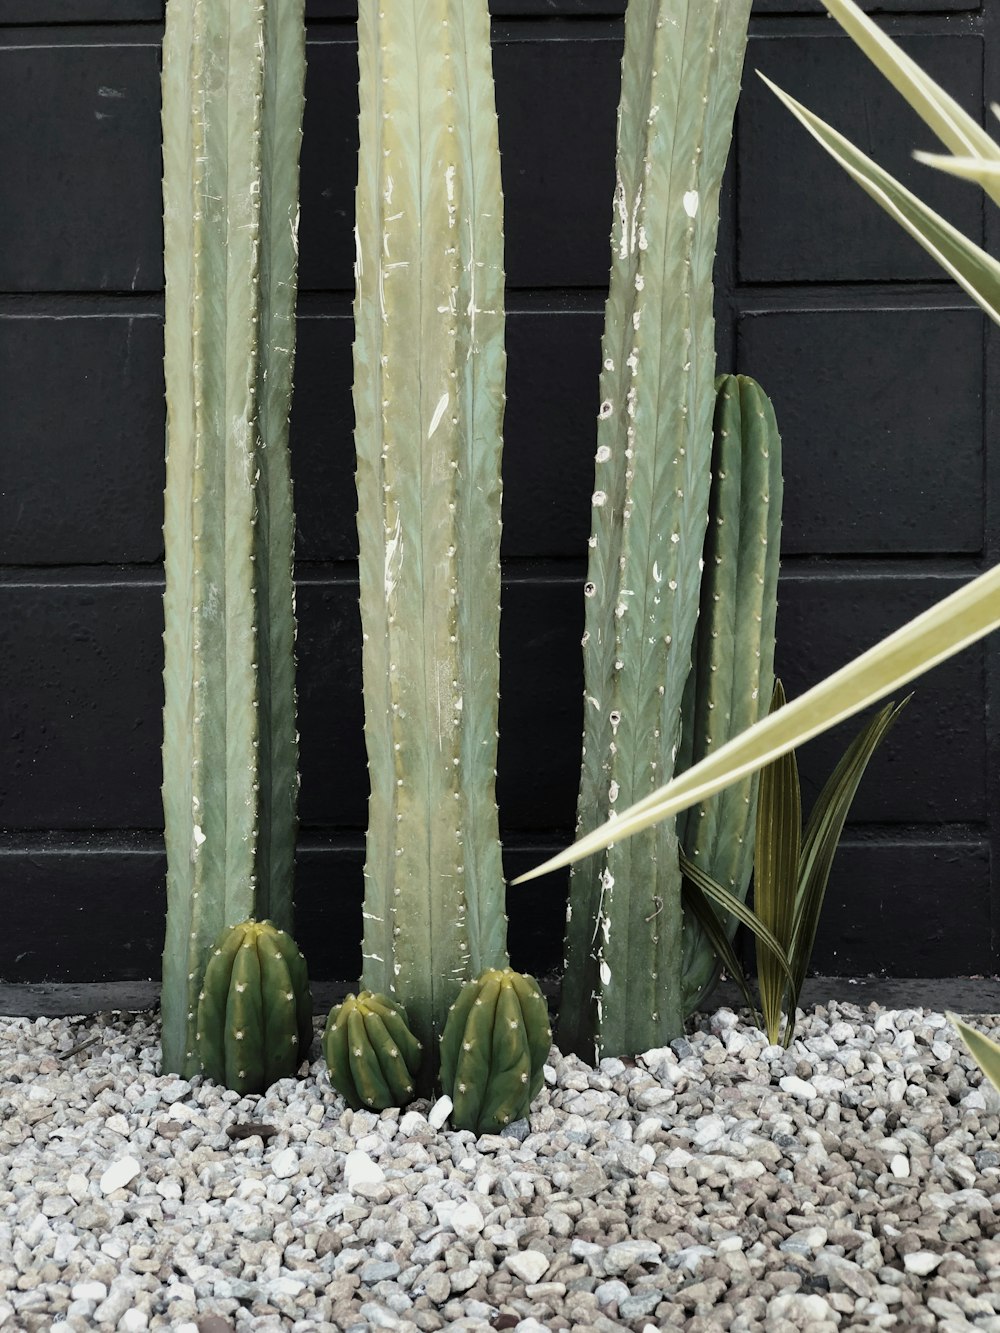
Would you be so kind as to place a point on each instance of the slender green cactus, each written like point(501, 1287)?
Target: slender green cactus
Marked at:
point(732, 673)
point(372, 1055)
point(232, 112)
point(428, 394)
point(493, 1050)
point(680, 81)
point(255, 1009)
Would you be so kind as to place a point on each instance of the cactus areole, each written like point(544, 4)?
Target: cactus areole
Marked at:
point(429, 369)
point(233, 79)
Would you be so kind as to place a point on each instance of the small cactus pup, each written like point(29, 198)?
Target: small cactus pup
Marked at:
point(255, 1008)
point(372, 1055)
point(493, 1050)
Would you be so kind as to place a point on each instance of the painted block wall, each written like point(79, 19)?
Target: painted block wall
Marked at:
point(883, 376)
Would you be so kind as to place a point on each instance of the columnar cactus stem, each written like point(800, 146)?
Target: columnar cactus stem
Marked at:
point(680, 82)
point(233, 79)
point(732, 674)
point(428, 395)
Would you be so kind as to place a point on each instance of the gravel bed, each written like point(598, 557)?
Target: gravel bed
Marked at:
point(851, 1182)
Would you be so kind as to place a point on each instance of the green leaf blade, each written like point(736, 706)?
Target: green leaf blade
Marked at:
point(971, 267)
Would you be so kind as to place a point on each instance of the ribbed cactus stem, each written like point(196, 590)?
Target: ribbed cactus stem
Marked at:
point(732, 673)
point(233, 80)
point(428, 394)
point(680, 81)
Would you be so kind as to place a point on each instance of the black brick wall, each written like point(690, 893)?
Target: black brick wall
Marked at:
point(884, 379)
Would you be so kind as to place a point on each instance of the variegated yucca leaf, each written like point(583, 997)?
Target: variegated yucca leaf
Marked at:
point(940, 112)
point(971, 267)
point(984, 1050)
point(922, 643)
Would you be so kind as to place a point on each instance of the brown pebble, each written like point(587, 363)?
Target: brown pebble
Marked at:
point(247, 1130)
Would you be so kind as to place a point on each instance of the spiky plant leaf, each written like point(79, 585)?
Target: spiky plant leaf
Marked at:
point(971, 267)
point(776, 871)
point(822, 836)
point(984, 1050)
point(945, 629)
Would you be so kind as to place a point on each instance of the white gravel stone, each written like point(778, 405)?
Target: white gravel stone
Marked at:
point(440, 1112)
point(412, 1122)
point(285, 1164)
point(921, 1262)
point(88, 1291)
point(528, 1265)
point(900, 1166)
point(119, 1174)
point(797, 1087)
point(359, 1169)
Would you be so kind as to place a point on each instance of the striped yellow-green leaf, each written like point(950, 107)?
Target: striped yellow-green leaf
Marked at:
point(971, 267)
point(984, 1050)
point(930, 638)
point(986, 174)
point(776, 870)
point(953, 126)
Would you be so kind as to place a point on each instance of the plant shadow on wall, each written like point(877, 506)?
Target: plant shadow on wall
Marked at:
point(680, 593)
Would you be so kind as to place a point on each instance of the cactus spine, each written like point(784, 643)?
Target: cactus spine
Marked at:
point(732, 673)
point(680, 81)
point(372, 1055)
point(232, 110)
point(493, 1050)
point(255, 1009)
point(428, 395)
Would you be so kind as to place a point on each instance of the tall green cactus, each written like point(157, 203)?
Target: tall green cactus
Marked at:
point(732, 673)
point(680, 82)
point(428, 395)
point(233, 80)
